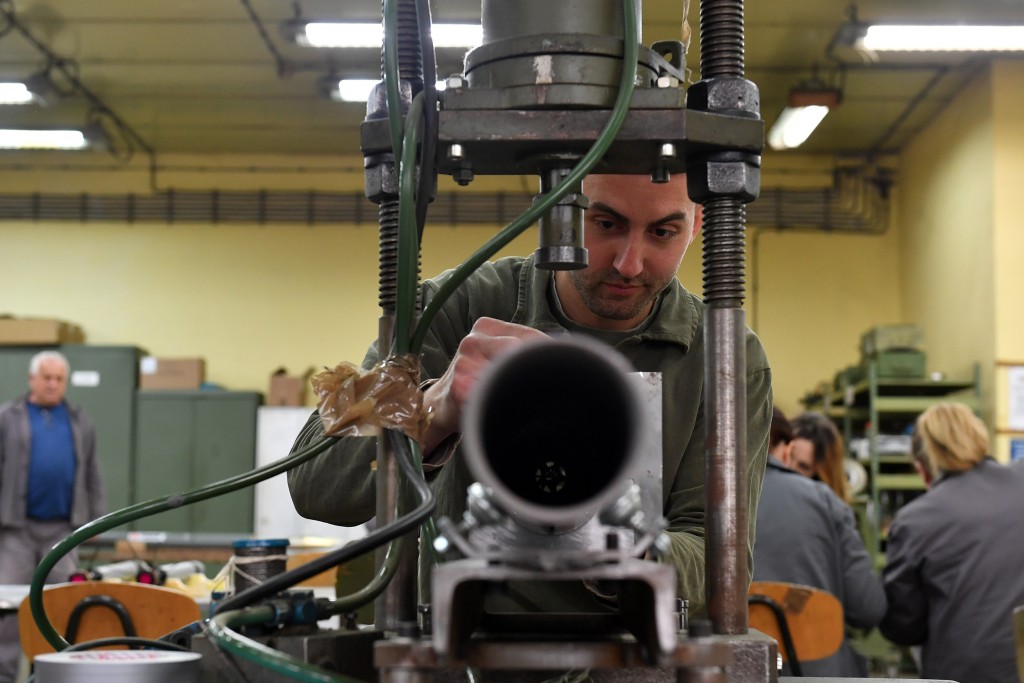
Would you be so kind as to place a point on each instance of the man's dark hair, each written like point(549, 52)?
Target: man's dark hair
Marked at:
point(781, 431)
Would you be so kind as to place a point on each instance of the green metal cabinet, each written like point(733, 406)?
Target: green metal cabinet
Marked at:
point(14, 370)
point(103, 381)
point(187, 439)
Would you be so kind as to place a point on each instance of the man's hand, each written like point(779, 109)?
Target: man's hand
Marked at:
point(445, 399)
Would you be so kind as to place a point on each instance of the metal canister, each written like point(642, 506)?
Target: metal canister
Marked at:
point(117, 666)
point(257, 560)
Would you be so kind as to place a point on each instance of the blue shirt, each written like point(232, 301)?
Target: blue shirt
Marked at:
point(51, 471)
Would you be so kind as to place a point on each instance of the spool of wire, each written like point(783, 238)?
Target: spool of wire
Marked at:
point(117, 666)
point(257, 560)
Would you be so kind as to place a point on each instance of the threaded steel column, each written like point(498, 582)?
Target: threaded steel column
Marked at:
point(727, 521)
point(397, 604)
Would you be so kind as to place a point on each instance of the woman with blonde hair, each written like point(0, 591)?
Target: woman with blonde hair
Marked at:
point(953, 574)
point(948, 438)
point(817, 451)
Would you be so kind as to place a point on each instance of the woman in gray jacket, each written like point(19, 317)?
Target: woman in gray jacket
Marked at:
point(807, 535)
point(955, 555)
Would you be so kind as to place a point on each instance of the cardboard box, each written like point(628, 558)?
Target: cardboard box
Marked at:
point(287, 390)
point(171, 373)
point(17, 331)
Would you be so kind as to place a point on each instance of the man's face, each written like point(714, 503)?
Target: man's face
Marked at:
point(636, 233)
point(47, 386)
point(801, 457)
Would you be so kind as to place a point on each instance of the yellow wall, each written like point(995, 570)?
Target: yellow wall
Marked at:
point(1008, 103)
point(946, 218)
point(816, 294)
point(252, 298)
point(247, 298)
point(1008, 243)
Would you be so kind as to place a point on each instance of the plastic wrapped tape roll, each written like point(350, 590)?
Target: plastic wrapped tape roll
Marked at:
point(117, 666)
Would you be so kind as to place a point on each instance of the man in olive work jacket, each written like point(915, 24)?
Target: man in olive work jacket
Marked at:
point(637, 233)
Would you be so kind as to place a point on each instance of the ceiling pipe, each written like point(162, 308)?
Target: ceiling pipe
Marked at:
point(857, 202)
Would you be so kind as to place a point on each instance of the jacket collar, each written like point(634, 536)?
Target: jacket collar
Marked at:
point(775, 463)
point(677, 320)
point(945, 475)
point(21, 405)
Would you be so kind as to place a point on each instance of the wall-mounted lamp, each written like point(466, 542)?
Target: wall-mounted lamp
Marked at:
point(371, 35)
point(938, 38)
point(808, 104)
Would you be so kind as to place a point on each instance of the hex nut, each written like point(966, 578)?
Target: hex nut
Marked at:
point(733, 178)
point(735, 95)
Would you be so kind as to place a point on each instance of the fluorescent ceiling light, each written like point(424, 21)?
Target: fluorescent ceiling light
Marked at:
point(42, 139)
point(806, 109)
point(942, 38)
point(358, 89)
point(366, 34)
point(795, 125)
point(14, 93)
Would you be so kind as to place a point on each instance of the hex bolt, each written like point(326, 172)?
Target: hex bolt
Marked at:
point(683, 614)
point(660, 175)
point(455, 151)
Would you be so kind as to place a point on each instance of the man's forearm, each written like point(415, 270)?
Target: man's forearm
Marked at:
point(337, 486)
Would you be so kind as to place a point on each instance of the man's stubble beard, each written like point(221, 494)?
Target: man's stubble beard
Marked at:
point(587, 284)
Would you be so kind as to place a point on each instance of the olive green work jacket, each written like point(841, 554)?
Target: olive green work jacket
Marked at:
point(338, 486)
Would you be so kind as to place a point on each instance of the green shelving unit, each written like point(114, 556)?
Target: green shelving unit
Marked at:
point(874, 406)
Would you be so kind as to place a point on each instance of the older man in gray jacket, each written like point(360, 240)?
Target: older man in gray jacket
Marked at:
point(50, 483)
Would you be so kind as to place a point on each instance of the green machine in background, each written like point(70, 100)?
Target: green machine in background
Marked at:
point(103, 381)
point(890, 351)
point(894, 350)
point(186, 439)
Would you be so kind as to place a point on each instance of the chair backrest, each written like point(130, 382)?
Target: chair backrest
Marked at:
point(1018, 631)
point(155, 611)
point(328, 577)
point(814, 618)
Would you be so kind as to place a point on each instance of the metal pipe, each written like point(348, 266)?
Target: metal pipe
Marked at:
point(553, 429)
point(726, 522)
point(397, 603)
point(561, 228)
point(727, 515)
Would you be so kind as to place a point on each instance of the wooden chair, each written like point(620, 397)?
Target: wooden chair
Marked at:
point(96, 606)
point(806, 622)
point(326, 578)
point(1018, 631)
